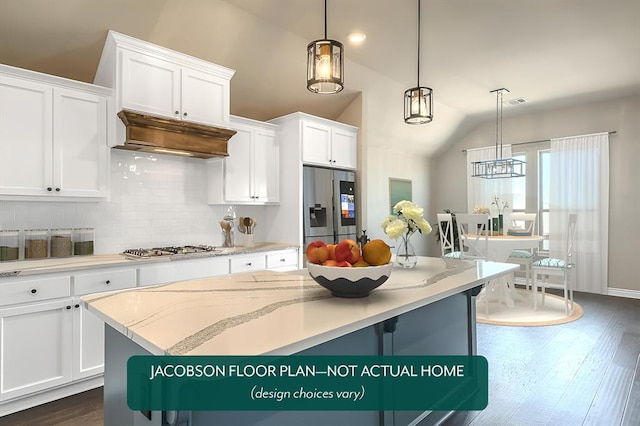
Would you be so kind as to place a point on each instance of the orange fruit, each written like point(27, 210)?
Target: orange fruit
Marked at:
point(376, 253)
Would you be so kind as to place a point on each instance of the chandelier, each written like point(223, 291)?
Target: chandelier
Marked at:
point(418, 101)
point(499, 167)
point(325, 63)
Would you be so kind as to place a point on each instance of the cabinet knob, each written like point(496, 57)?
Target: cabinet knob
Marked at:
point(57, 189)
point(185, 114)
point(77, 305)
point(34, 290)
point(177, 112)
point(68, 307)
point(281, 260)
point(107, 282)
point(49, 189)
point(248, 263)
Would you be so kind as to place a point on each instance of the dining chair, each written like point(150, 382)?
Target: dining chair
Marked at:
point(447, 242)
point(526, 223)
point(473, 235)
point(556, 267)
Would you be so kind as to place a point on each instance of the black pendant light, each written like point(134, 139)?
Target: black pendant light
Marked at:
point(418, 101)
point(325, 63)
point(499, 167)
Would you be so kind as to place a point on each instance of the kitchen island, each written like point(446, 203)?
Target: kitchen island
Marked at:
point(428, 310)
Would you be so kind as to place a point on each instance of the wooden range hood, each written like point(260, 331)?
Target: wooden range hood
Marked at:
point(161, 135)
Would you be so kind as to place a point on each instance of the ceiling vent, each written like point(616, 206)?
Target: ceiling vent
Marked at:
point(148, 133)
point(516, 101)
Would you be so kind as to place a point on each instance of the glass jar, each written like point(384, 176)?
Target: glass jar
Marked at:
point(83, 241)
point(36, 242)
point(60, 245)
point(9, 245)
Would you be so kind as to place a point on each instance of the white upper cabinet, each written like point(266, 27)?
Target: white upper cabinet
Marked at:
point(152, 79)
point(344, 148)
point(316, 143)
point(53, 135)
point(205, 97)
point(79, 144)
point(250, 174)
point(150, 84)
point(330, 144)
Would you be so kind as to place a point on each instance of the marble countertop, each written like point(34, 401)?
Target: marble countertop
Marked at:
point(274, 313)
point(75, 263)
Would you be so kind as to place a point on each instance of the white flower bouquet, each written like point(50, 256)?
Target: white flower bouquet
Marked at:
point(409, 219)
point(480, 209)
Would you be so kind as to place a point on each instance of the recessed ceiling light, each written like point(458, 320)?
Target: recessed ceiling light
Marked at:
point(356, 37)
point(516, 101)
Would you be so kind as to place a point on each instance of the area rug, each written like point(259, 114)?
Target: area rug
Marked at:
point(523, 315)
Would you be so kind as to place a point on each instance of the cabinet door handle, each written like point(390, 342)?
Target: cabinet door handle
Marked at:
point(34, 290)
point(107, 282)
point(281, 260)
point(49, 189)
point(77, 306)
point(248, 264)
point(68, 307)
point(185, 114)
point(57, 189)
point(177, 112)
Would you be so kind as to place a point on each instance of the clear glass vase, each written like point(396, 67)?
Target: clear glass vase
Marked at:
point(405, 254)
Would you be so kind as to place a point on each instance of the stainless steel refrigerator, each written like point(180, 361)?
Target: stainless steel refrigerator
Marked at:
point(329, 205)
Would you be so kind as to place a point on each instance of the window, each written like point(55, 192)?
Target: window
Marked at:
point(544, 164)
point(531, 192)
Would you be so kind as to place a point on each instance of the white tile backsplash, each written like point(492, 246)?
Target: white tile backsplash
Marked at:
point(155, 200)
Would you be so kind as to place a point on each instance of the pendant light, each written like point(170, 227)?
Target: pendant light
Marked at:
point(418, 101)
point(500, 167)
point(325, 63)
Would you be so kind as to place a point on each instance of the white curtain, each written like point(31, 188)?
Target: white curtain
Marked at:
point(579, 176)
point(482, 191)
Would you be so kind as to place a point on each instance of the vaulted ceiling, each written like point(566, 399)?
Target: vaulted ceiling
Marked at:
point(551, 53)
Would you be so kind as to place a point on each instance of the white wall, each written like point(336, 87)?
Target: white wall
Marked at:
point(156, 200)
point(621, 115)
point(394, 163)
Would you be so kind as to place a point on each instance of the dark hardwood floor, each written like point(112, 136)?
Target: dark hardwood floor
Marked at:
point(582, 373)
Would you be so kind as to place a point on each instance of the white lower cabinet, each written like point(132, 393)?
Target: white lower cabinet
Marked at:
point(50, 345)
point(88, 343)
point(285, 260)
point(280, 260)
point(44, 345)
point(161, 273)
point(248, 263)
point(35, 347)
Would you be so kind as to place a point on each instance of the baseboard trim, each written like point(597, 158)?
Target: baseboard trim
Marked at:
point(623, 292)
point(618, 292)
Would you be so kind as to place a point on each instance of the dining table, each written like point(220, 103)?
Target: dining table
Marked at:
point(499, 248)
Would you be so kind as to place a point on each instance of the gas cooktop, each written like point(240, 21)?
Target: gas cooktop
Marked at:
point(143, 253)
